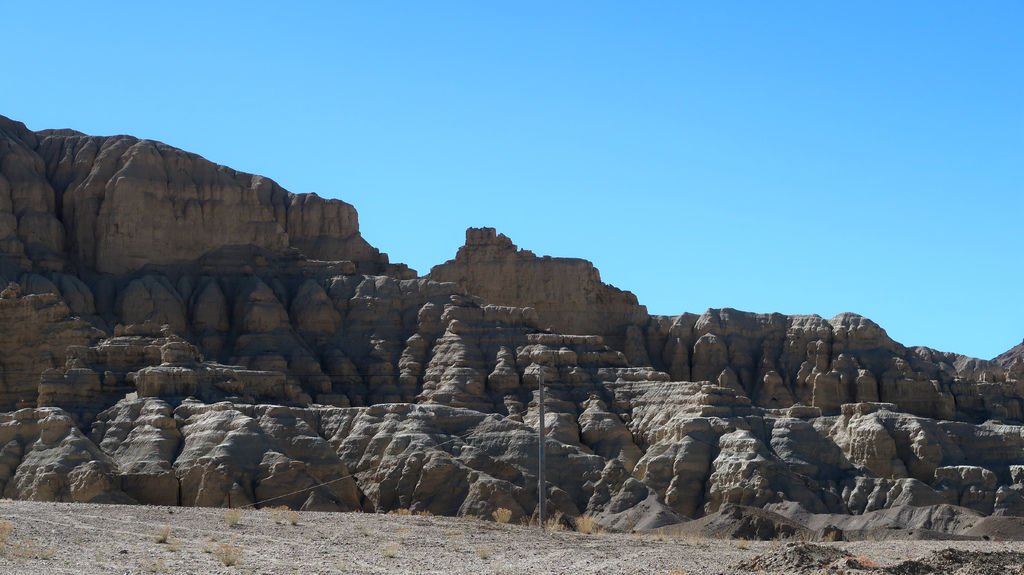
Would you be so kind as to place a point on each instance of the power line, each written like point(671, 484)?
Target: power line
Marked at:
point(541, 483)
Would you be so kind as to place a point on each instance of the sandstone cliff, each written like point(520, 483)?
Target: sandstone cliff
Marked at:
point(181, 333)
point(118, 204)
point(567, 293)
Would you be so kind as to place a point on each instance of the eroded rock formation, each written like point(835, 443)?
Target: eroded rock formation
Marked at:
point(184, 334)
point(567, 293)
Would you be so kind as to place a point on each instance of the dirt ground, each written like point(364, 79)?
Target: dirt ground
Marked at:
point(104, 539)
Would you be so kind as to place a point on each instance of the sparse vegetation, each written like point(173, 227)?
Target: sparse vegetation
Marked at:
point(832, 535)
point(210, 545)
point(455, 539)
point(502, 515)
point(30, 550)
point(34, 546)
point(400, 511)
point(692, 536)
point(554, 523)
point(228, 554)
point(587, 524)
point(232, 516)
point(284, 514)
point(154, 566)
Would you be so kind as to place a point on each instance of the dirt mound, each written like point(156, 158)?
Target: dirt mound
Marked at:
point(997, 529)
point(801, 558)
point(936, 519)
point(960, 562)
point(737, 522)
point(897, 534)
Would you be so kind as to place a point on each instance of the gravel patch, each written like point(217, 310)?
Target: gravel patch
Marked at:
point(86, 539)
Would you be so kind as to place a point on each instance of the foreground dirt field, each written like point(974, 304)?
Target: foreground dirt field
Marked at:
point(87, 539)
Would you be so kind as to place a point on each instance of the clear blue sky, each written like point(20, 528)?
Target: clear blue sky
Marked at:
point(801, 157)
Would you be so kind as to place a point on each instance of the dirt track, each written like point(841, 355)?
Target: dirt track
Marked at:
point(94, 539)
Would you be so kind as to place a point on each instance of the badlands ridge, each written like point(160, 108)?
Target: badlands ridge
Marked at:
point(179, 333)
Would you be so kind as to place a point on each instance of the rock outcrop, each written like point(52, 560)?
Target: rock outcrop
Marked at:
point(567, 293)
point(180, 333)
point(1011, 356)
point(118, 204)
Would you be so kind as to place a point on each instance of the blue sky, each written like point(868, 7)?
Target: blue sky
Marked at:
point(801, 157)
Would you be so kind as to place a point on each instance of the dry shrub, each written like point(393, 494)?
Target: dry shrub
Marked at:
point(502, 515)
point(455, 540)
point(232, 516)
point(693, 537)
point(163, 534)
point(22, 549)
point(31, 550)
point(293, 517)
point(483, 553)
point(154, 566)
point(832, 535)
point(391, 551)
point(554, 523)
point(587, 524)
point(400, 511)
point(279, 515)
point(228, 554)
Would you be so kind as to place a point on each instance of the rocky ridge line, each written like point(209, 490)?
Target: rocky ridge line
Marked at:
point(272, 349)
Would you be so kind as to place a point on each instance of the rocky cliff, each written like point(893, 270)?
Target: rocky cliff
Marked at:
point(1011, 356)
point(181, 333)
point(115, 205)
point(567, 293)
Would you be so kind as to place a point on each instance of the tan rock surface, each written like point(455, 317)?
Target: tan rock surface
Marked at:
point(126, 203)
point(567, 293)
point(209, 337)
point(1011, 356)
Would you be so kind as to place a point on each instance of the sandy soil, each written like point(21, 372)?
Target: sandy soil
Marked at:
point(88, 539)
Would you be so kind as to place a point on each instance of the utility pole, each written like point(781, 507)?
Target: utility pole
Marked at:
point(541, 483)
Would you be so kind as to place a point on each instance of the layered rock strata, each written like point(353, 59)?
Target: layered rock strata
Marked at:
point(118, 204)
point(180, 333)
point(567, 293)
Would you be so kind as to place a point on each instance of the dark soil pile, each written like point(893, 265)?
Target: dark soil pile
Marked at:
point(797, 558)
point(960, 562)
point(737, 522)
